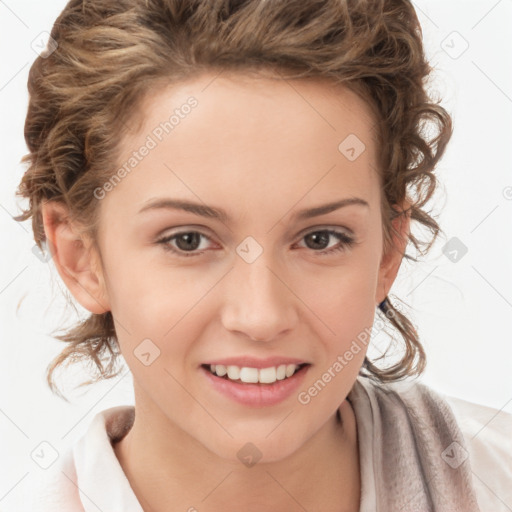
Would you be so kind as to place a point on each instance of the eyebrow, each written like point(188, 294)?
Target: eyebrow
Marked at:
point(220, 214)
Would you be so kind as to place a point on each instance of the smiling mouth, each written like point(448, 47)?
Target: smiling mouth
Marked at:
point(248, 375)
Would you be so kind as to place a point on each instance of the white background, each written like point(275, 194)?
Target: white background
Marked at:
point(463, 310)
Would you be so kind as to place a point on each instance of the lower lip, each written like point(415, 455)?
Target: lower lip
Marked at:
point(256, 394)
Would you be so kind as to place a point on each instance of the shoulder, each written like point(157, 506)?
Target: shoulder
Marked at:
point(88, 467)
point(53, 488)
point(482, 435)
point(488, 435)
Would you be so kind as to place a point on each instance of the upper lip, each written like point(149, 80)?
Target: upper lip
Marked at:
point(252, 362)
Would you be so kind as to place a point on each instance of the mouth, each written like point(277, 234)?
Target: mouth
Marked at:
point(259, 385)
point(255, 376)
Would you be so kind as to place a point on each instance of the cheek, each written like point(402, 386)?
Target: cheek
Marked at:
point(148, 297)
point(344, 303)
point(346, 310)
point(344, 297)
point(157, 322)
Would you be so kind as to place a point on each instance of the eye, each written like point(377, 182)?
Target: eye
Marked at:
point(321, 237)
point(186, 241)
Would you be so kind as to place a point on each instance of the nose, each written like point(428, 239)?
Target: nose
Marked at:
point(259, 303)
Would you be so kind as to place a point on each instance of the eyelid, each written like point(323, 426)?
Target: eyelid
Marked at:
point(186, 228)
point(324, 227)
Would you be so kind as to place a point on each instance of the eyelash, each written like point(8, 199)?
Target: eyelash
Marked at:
point(345, 242)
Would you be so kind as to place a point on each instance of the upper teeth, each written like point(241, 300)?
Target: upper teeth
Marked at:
point(254, 375)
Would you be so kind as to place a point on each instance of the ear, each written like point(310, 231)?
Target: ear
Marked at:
point(75, 258)
point(391, 261)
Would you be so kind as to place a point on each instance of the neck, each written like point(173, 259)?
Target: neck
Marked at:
point(174, 471)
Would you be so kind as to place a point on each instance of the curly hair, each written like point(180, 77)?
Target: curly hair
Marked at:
point(110, 53)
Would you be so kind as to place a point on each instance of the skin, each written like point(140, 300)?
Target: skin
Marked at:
point(262, 149)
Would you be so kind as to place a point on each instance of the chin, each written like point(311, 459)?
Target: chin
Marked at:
point(257, 449)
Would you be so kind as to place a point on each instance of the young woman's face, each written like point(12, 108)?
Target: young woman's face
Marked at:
point(251, 275)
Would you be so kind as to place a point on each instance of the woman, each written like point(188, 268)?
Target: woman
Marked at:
point(285, 139)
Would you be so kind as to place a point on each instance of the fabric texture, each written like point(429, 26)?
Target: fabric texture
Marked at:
point(420, 451)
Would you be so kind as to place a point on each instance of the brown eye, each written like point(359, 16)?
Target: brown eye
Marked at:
point(184, 242)
point(188, 241)
point(319, 239)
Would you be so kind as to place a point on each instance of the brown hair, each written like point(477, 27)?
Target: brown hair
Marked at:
point(110, 53)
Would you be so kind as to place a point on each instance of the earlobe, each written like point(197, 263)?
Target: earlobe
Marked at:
point(390, 262)
point(74, 258)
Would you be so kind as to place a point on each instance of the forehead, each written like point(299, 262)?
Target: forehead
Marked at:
point(246, 100)
point(267, 136)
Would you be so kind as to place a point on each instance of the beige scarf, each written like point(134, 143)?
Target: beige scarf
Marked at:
point(412, 453)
